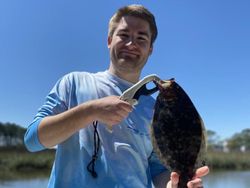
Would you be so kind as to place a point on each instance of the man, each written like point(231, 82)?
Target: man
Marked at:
point(82, 106)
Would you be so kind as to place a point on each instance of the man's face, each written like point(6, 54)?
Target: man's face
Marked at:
point(130, 45)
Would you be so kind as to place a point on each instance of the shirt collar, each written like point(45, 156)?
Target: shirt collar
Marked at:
point(121, 83)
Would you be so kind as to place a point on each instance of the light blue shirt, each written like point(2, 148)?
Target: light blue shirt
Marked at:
point(125, 159)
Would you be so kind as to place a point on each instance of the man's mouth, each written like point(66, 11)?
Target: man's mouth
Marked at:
point(129, 54)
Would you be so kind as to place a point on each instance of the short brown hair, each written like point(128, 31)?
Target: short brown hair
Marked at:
point(136, 11)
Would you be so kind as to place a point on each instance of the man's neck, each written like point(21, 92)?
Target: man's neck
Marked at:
point(130, 77)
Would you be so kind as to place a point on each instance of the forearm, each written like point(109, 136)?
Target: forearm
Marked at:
point(53, 130)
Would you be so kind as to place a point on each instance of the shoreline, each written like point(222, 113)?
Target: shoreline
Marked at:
point(17, 162)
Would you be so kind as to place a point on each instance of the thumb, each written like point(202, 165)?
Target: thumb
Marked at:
point(174, 180)
point(202, 171)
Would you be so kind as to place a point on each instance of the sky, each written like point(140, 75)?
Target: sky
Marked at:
point(204, 45)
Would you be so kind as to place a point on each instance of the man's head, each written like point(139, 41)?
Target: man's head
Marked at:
point(132, 31)
point(135, 11)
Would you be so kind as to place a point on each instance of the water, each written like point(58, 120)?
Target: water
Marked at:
point(227, 179)
point(223, 179)
point(25, 183)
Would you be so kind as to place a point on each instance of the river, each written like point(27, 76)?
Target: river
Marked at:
point(223, 179)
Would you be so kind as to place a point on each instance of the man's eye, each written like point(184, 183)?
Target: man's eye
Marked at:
point(141, 38)
point(123, 35)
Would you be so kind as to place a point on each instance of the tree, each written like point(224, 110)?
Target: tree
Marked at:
point(11, 134)
point(240, 139)
point(213, 140)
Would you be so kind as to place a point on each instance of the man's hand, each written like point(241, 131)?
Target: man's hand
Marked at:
point(196, 182)
point(111, 110)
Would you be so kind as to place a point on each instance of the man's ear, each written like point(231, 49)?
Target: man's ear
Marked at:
point(109, 41)
point(151, 50)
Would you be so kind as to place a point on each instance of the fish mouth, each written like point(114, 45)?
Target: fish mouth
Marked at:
point(164, 84)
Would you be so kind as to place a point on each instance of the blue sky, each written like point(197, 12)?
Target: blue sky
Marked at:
point(204, 45)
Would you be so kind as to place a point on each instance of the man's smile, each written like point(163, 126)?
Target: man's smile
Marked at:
point(129, 53)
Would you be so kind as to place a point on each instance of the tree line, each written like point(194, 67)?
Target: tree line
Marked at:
point(12, 134)
point(238, 142)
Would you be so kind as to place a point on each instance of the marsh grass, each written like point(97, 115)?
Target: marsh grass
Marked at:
point(228, 161)
point(18, 162)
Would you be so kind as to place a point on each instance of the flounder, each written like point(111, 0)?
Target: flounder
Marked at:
point(178, 133)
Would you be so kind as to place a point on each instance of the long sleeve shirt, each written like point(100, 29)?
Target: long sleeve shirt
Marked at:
point(125, 158)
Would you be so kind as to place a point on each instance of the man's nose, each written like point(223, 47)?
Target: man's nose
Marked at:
point(131, 42)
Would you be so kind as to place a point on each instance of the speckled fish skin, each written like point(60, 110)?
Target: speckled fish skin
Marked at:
point(178, 133)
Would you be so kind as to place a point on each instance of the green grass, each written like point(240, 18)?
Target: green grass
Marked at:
point(18, 162)
point(228, 161)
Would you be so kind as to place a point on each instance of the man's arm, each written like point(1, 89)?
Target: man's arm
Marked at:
point(55, 129)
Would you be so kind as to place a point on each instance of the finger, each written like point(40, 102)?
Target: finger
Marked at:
point(169, 185)
point(123, 109)
point(174, 177)
point(126, 106)
point(195, 183)
point(123, 112)
point(116, 119)
point(200, 172)
point(119, 115)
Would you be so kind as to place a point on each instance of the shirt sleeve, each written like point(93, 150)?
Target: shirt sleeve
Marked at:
point(55, 103)
point(156, 167)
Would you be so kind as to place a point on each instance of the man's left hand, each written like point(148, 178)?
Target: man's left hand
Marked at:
point(196, 182)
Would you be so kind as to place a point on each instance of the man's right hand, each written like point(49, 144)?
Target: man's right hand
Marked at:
point(111, 110)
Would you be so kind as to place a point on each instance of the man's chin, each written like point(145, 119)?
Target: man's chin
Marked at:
point(129, 60)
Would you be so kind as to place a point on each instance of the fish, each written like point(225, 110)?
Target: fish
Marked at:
point(178, 133)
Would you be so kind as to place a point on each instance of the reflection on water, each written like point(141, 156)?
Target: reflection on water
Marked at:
point(26, 183)
point(227, 179)
point(224, 179)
